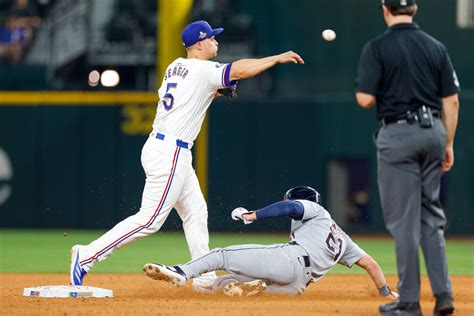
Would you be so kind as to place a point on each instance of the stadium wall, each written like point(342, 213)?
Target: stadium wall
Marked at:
point(79, 166)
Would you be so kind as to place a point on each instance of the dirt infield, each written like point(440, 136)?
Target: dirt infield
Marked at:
point(135, 294)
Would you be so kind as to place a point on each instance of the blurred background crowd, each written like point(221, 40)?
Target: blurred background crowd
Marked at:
point(20, 20)
point(70, 38)
point(64, 40)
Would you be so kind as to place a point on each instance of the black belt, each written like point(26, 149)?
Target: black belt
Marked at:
point(307, 264)
point(408, 117)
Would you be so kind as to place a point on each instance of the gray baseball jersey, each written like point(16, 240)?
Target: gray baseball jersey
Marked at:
point(316, 245)
point(324, 241)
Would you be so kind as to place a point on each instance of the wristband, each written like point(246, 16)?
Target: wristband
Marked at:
point(384, 290)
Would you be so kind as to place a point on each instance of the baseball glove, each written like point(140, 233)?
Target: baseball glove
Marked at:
point(229, 92)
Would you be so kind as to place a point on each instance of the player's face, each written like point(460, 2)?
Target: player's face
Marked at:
point(210, 46)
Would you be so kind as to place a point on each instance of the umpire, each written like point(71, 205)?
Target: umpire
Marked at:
point(409, 76)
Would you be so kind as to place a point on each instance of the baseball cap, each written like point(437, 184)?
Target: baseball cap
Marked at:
point(398, 3)
point(198, 31)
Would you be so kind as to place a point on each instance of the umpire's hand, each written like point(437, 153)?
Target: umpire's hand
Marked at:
point(448, 159)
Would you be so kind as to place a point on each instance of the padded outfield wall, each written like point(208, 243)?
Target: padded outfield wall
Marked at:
point(79, 166)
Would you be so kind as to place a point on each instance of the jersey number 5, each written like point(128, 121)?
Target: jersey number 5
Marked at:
point(169, 96)
point(332, 244)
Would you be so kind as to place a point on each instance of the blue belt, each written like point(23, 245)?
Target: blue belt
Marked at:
point(179, 143)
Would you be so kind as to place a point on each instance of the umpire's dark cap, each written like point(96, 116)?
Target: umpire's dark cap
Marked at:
point(398, 3)
point(198, 31)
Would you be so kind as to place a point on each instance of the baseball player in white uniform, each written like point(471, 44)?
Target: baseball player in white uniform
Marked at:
point(316, 245)
point(187, 90)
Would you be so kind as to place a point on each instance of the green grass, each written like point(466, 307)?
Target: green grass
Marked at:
point(48, 251)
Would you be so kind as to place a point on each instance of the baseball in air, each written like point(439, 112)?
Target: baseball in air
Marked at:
point(329, 35)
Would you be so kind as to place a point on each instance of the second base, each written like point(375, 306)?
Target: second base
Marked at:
point(66, 291)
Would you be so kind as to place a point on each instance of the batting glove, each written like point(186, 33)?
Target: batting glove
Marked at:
point(393, 295)
point(237, 214)
point(386, 291)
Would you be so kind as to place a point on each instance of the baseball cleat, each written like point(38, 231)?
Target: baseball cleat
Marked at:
point(173, 275)
point(245, 289)
point(398, 308)
point(76, 272)
point(444, 304)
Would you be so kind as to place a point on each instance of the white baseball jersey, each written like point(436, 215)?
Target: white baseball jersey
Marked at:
point(324, 241)
point(188, 88)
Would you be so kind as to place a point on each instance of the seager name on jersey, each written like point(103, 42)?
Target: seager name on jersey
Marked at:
point(176, 71)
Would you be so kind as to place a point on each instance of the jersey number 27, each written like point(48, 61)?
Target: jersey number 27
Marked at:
point(332, 243)
point(168, 105)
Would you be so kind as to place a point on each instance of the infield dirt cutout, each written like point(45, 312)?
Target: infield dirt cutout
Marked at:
point(135, 294)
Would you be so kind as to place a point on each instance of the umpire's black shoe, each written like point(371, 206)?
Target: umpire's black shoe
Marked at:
point(400, 309)
point(444, 304)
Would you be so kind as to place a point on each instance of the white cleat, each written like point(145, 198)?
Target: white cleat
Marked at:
point(245, 289)
point(173, 275)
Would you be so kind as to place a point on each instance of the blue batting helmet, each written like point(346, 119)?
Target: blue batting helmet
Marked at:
point(303, 193)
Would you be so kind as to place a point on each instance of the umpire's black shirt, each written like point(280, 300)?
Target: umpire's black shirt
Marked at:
point(405, 68)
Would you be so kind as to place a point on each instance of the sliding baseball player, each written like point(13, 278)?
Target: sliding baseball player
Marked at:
point(316, 245)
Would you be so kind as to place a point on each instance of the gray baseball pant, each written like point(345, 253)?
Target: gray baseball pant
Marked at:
point(281, 266)
point(409, 172)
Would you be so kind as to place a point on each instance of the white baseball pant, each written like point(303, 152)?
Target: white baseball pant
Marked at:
point(170, 182)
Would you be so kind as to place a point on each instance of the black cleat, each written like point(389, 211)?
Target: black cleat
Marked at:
point(444, 304)
point(400, 309)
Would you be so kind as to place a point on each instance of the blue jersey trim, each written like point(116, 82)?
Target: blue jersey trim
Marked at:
point(227, 75)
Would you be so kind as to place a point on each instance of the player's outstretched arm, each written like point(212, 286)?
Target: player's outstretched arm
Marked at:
point(292, 209)
point(377, 276)
point(248, 68)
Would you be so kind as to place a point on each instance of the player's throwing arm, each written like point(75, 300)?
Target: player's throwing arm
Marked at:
point(248, 68)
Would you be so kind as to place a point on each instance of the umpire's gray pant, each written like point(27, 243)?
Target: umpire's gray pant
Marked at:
point(409, 172)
